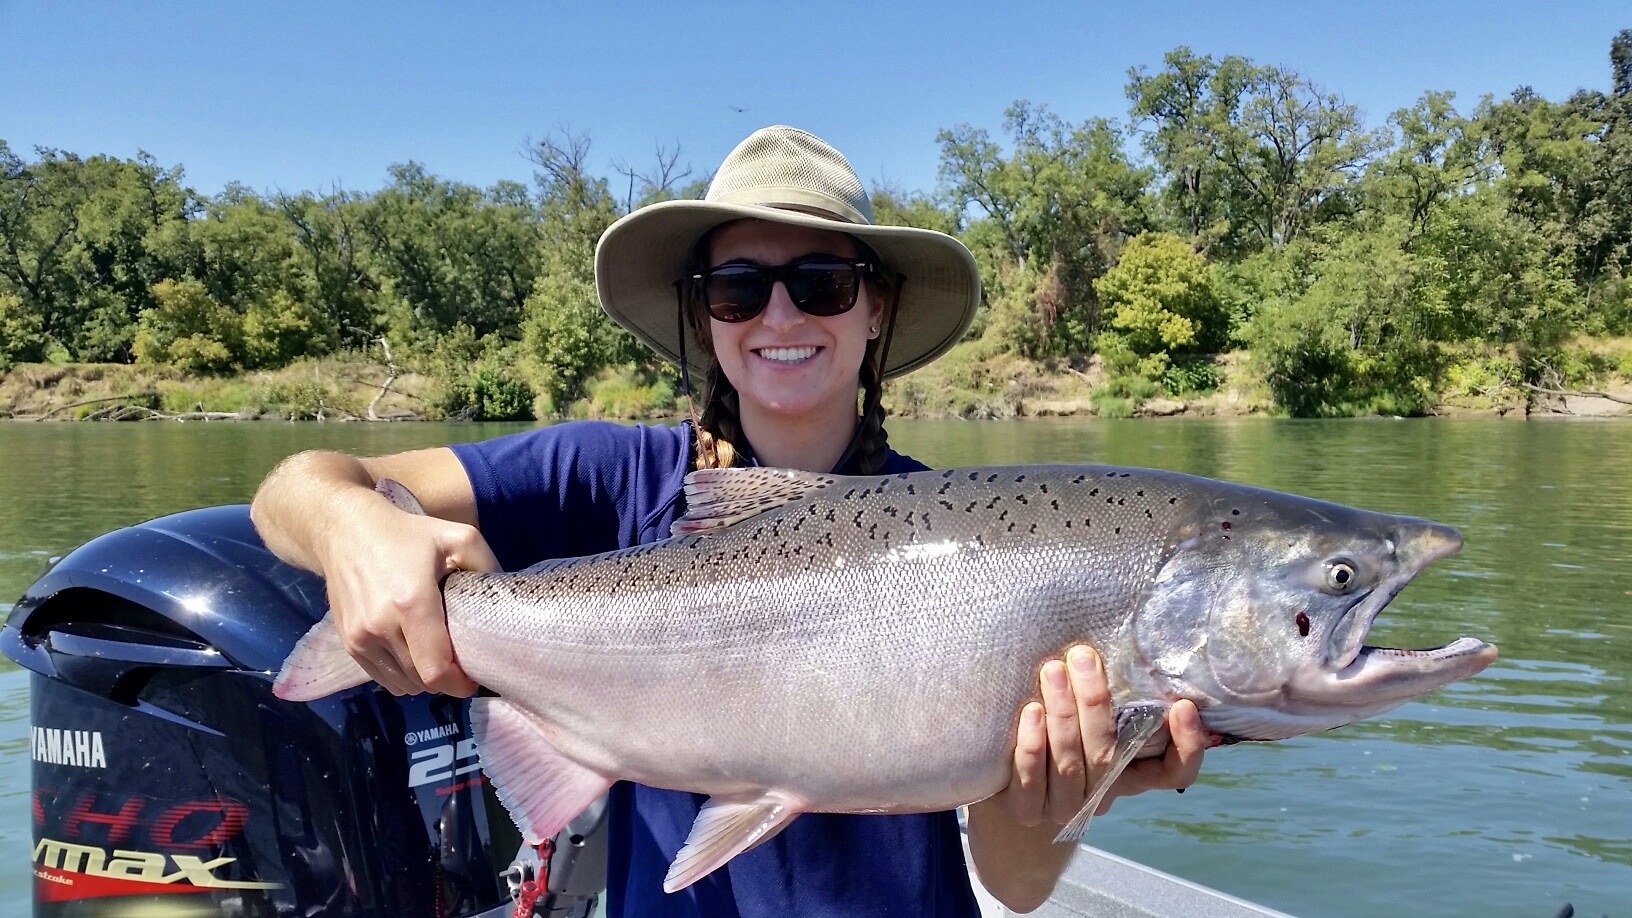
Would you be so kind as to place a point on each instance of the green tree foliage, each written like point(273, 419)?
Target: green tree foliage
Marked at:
point(1358, 263)
point(189, 329)
point(452, 253)
point(1160, 298)
point(1250, 155)
point(1054, 210)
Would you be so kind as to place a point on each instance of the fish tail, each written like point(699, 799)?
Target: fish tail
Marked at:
point(319, 666)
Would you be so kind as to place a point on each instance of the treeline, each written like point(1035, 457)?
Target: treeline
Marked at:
point(1366, 267)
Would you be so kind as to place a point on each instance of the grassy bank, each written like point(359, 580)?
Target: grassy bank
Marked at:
point(974, 381)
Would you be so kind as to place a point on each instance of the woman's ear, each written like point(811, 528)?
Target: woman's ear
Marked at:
point(875, 312)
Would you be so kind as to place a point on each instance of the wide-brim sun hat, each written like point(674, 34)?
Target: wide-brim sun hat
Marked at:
point(784, 175)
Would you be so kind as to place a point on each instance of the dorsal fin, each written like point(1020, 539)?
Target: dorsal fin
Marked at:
point(716, 498)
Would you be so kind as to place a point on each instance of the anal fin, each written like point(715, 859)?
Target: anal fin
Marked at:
point(723, 830)
point(542, 789)
point(1134, 725)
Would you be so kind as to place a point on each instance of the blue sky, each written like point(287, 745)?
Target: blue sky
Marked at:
point(286, 95)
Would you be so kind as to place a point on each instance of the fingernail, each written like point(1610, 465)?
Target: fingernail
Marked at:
point(1034, 715)
point(1083, 660)
point(1179, 789)
point(1054, 672)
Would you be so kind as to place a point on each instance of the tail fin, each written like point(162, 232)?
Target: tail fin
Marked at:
point(318, 667)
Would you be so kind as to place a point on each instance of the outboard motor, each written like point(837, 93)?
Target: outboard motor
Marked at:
point(167, 779)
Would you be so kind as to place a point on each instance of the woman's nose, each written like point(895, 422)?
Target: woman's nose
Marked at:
point(780, 311)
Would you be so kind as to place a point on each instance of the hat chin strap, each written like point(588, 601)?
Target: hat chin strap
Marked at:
point(685, 365)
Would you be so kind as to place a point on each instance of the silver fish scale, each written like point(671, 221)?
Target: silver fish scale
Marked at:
point(868, 637)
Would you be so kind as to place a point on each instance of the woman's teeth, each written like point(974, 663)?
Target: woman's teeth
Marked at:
point(787, 354)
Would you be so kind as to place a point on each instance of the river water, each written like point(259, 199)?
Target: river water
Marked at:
point(1504, 796)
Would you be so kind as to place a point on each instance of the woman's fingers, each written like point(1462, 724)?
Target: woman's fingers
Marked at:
point(1028, 784)
point(1068, 771)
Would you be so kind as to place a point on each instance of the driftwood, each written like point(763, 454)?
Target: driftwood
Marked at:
point(92, 401)
point(1581, 393)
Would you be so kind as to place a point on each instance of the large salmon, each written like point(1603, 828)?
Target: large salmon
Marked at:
point(817, 643)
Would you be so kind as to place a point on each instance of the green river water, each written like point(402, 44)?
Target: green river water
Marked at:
point(1503, 796)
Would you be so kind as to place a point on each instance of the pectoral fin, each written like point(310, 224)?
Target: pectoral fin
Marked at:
point(542, 789)
point(723, 830)
point(1134, 725)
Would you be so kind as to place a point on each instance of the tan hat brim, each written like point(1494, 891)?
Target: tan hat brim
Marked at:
point(640, 257)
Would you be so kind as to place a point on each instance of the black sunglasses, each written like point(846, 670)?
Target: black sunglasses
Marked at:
point(820, 285)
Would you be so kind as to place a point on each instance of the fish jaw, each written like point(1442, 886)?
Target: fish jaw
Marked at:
point(1391, 676)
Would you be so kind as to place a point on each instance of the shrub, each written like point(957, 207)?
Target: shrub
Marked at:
point(189, 330)
point(1161, 297)
point(1195, 376)
point(489, 393)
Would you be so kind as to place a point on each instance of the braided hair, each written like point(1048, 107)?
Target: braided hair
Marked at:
point(718, 440)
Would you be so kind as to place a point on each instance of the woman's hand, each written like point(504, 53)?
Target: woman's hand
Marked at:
point(1063, 746)
point(383, 573)
point(1067, 742)
point(383, 566)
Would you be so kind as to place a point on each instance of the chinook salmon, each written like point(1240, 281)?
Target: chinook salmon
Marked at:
point(818, 643)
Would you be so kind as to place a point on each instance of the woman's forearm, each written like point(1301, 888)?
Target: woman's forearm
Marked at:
point(296, 507)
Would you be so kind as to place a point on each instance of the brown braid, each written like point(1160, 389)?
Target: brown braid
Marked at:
point(716, 435)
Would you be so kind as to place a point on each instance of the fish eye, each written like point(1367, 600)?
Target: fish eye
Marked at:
point(1340, 576)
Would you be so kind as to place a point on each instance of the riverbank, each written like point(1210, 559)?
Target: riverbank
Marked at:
point(975, 381)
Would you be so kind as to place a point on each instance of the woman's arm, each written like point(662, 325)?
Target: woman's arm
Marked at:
point(1064, 744)
point(382, 566)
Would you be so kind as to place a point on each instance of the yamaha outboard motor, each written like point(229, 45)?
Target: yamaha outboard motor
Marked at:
point(169, 780)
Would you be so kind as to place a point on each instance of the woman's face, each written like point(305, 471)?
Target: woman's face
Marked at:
point(783, 362)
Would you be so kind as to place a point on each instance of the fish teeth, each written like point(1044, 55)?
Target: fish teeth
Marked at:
point(787, 354)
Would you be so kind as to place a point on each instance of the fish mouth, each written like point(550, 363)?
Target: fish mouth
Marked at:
point(1423, 545)
point(1381, 678)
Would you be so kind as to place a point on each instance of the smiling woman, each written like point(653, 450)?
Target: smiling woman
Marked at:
point(782, 293)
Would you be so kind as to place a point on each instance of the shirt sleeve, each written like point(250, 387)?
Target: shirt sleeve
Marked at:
point(571, 489)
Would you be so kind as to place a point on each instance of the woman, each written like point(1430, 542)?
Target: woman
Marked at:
point(791, 303)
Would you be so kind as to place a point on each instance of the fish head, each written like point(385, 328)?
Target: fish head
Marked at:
point(1261, 610)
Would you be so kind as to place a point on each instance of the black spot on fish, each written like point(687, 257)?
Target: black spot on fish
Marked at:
point(910, 490)
point(1020, 479)
point(991, 478)
point(974, 476)
point(1119, 530)
point(1034, 528)
point(850, 493)
point(945, 503)
point(1303, 625)
point(1110, 474)
point(872, 531)
point(1011, 527)
point(1055, 504)
point(1068, 524)
point(1235, 513)
point(948, 473)
point(1126, 475)
point(1003, 516)
point(1149, 515)
point(890, 511)
point(992, 503)
point(1021, 498)
point(1043, 487)
point(859, 515)
point(1079, 479)
point(829, 514)
point(943, 487)
point(971, 507)
point(1172, 500)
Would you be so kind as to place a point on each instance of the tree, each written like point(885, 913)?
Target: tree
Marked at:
point(1055, 210)
point(1161, 299)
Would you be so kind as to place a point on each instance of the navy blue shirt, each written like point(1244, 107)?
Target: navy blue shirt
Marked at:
point(589, 487)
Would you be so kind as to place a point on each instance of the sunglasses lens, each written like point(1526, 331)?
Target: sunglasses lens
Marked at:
point(823, 288)
point(736, 293)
